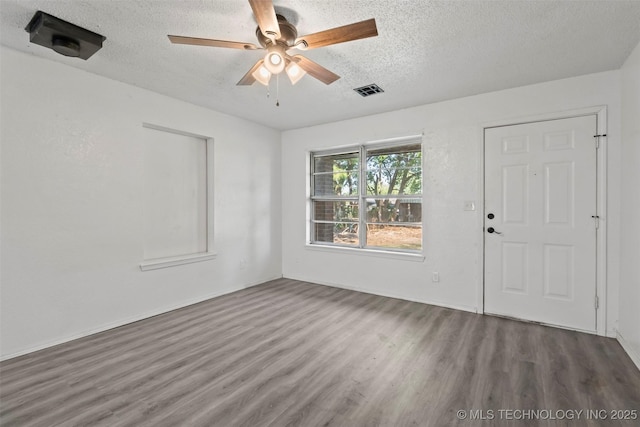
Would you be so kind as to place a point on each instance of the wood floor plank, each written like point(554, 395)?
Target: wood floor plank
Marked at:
point(290, 353)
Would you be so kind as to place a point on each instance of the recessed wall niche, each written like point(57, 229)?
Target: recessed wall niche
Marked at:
point(177, 194)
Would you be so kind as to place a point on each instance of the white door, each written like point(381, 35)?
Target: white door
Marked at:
point(540, 233)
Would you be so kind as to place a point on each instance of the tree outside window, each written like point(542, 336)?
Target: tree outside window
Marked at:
point(383, 213)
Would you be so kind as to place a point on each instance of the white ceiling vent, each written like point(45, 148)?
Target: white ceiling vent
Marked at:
point(369, 90)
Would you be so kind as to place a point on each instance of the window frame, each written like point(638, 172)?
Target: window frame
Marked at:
point(361, 197)
point(332, 198)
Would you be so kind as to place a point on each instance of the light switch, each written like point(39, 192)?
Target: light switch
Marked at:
point(469, 205)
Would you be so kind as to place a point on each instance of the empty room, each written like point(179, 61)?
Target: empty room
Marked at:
point(319, 213)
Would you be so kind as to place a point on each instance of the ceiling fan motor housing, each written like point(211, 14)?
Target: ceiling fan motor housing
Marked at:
point(288, 34)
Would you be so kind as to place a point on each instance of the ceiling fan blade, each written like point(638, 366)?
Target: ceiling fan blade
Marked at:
point(211, 42)
point(315, 70)
point(248, 78)
point(359, 30)
point(266, 16)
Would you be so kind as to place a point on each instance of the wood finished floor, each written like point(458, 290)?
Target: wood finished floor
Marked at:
point(288, 353)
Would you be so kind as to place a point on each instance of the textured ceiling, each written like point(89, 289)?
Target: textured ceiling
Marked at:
point(426, 51)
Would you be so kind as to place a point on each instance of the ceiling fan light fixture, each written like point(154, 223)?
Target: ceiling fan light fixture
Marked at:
point(295, 72)
point(274, 59)
point(262, 74)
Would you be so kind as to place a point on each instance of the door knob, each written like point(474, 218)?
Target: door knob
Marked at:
point(491, 230)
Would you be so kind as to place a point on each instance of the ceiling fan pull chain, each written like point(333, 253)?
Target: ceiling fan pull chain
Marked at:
point(277, 90)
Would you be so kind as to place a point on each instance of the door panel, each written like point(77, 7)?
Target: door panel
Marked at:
point(558, 268)
point(515, 190)
point(558, 193)
point(515, 267)
point(540, 259)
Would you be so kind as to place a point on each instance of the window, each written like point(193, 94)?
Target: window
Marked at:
point(368, 197)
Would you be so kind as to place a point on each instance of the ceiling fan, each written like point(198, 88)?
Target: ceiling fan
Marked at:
point(278, 37)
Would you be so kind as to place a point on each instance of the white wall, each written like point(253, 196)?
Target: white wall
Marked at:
point(71, 209)
point(453, 139)
point(629, 328)
point(71, 217)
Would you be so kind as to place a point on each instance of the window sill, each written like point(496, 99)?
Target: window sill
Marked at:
point(154, 264)
point(367, 252)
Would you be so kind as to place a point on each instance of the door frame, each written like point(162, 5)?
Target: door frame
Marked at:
point(601, 202)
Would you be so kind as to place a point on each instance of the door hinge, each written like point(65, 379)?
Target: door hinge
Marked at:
point(596, 219)
point(597, 302)
point(597, 137)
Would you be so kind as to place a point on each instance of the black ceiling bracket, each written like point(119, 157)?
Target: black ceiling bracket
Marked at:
point(63, 37)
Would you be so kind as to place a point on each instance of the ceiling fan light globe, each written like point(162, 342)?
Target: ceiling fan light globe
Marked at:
point(294, 72)
point(275, 59)
point(262, 75)
point(274, 62)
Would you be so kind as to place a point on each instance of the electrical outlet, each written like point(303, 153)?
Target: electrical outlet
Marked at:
point(435, 276)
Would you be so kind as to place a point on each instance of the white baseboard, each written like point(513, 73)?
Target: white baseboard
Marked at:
point(626, 345)
point(387, 294)
point(131, 319)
